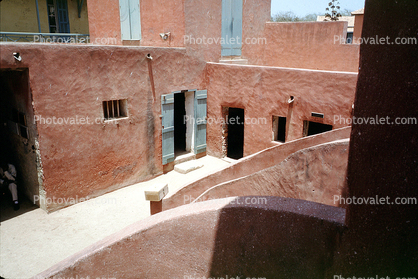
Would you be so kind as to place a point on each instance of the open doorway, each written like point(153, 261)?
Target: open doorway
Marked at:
point(179, 124)
point(183, 123)
point(235, 126)
point(279, 128)
point(18, 143)
point(183, 119)
point(311, 128)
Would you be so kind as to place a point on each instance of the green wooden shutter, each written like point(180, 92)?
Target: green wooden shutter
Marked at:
point(231, 27)
point(134, 15)
point(167, 112)
point(62, 13)
point(200, 113)
point(236, 27)
point(125, 24)
point(130, 19)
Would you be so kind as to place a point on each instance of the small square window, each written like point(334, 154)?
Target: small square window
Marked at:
point(115, 109)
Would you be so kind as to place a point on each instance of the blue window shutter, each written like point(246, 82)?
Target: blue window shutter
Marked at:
point(135, 19)
point(231, 27)
point(167, 111)
point(237, 27)
point(200, 113)
point(125, 24)
point(226, 27)
point(62, 13)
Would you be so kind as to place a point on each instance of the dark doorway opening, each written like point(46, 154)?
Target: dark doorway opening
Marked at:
point(18, 134)
point(279, 128)
point(235, 133)
point(312, 128)
point(179, 124)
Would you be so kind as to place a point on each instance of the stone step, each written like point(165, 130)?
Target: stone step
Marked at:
point(238, 61)
point(188, 166)
point(184, 158)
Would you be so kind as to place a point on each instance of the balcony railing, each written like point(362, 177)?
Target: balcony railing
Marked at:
point(65, 38)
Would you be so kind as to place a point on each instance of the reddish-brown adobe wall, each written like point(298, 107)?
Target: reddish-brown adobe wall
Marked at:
point(308, 45)
point(315, 174)
point(227, 238)
point(250, 165)
point(162, 16)
point(104, 22)
point(264, 91)
point(71, 82)
point(358, 27)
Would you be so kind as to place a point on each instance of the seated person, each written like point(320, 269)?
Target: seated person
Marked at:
point(8, 179)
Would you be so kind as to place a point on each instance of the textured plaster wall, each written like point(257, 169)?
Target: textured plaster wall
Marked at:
point(263, 92)
point(358, 26)
point(161, 16)
point(215, 239)
point(308, 45)
point(381, 237)
point(250, 165)
point(91, 159)
point(104, 22)
point(20, 16)
point(315, 174)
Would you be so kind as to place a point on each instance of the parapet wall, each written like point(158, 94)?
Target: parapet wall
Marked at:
point(316, 174)
point(216, 239)
point(250, 165)
point(307, 45)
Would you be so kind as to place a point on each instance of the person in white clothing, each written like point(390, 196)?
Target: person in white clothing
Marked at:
point(8, 179)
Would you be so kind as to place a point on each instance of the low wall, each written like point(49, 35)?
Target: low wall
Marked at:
point(216, 239)
point(307, 45)
point(249, 165)
point(315, 174)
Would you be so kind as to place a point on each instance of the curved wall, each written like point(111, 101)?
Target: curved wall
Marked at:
point(315, 174)
point(280, 238)
point(249, 165)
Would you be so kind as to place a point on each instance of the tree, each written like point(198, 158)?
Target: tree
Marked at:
point(291, 17)
point(285, 17)
point(333, 10)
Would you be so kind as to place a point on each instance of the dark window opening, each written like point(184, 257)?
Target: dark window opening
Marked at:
point(312, 128)
point(279, 128)
point(235, 133)
point(52, 19)
point(115, 109)
point(349, 38)
point(179, 124)
point(17, 124)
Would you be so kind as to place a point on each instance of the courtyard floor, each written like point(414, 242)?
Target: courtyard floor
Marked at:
point(32, 240)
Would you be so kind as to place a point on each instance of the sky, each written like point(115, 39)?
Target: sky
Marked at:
point(304, 7)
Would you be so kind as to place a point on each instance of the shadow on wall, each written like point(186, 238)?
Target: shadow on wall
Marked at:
point(315, 174)
point(288, 238)
point(274, 238)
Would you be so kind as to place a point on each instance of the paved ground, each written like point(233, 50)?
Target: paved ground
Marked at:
point(32, 240)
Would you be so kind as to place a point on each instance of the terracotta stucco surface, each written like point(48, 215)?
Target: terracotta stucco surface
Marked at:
point(315, 174)
point(250, 165)
point(381, 236)
point(86, 160)
point(104, 22)
point(264, 91)
point(358, 27)
point(308, 45)
point(216, 238)
point(161, 16)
